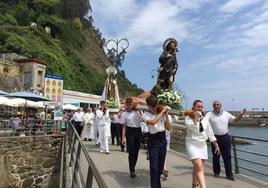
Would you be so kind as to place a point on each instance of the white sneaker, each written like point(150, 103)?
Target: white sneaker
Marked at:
point(107, 152)
point(101, 151)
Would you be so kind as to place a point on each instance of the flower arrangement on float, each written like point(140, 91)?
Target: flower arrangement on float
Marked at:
point(112, 103)
point(170, 97)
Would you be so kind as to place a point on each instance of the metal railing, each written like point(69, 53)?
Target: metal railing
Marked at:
point(256, 161)
point(249, 155)
point(84, 171)
point(43, 128)
point(62, 164)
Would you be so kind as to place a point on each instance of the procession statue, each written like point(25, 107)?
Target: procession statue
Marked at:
point(110, 91)
point(168, 66)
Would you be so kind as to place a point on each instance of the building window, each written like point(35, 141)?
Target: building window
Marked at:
point(39, 78)
point(27, 80)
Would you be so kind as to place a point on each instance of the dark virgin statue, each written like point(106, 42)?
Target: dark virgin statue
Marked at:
point(168, 66)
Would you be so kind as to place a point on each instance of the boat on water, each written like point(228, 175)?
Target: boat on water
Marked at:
point(263, 124)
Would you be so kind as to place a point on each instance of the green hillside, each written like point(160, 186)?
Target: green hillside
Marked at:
point(74, 49)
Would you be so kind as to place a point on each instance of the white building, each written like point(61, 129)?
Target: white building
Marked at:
point(80, 99)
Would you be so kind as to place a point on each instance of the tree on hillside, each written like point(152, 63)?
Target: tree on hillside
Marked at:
point(46, 6)
point(75, 8)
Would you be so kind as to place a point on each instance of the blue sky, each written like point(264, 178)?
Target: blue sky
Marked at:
point(224, 45)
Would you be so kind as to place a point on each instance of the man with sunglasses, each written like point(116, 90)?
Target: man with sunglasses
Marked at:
point(219, 121)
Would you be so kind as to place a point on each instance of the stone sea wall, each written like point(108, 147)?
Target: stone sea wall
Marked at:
point(178, 133)
point(30, 161)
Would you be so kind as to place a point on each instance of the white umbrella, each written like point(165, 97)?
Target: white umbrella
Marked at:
point(4, 100)
point(18, 102)
point(69, 107)
point(40, 104)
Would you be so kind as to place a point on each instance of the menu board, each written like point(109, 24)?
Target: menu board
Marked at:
point(54, 91)
point(54, 88)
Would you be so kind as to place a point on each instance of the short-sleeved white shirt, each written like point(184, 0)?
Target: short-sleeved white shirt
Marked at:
point(158, 127)
point(131, 119)
point(219, 122)
point(78, 116)
point(102, 119)
point(115, 119)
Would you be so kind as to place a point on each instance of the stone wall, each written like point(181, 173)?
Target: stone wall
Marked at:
point(178, 133)
point(30, 161)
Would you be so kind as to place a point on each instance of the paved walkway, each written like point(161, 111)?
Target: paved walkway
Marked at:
point(114, 169)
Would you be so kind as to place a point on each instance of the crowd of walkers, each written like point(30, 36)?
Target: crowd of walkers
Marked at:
point(132, 128)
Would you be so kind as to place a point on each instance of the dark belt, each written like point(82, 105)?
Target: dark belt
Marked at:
point(158, 135)
point(222, 135)
point(134, 128)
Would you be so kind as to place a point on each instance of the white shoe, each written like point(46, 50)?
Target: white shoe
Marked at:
point(101, 151)
point(107, 152)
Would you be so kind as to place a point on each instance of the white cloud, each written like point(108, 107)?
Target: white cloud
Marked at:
point(147, 24)
point(233, 6)
point(227, 43)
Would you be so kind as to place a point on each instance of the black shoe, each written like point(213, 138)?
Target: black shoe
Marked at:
point(231, 178)
point(216, 175)
point(133, 175)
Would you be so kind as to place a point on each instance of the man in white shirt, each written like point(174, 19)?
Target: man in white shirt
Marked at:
point(114, 129)
point(95, 127)
point(79, 119)
point(219, 121)
point(103, 120)
point(120, 128)
point(131, 134)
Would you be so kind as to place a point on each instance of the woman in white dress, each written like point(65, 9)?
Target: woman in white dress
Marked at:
point(198, 131)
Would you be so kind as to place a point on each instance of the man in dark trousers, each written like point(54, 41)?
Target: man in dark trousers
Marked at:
point(79, 119)
point(157, 121)
point(120, 129)
point(219, 121)
point(131, 134)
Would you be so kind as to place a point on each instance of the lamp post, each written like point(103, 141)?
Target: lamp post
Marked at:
point(186, 101)
point(117, 51)
point(233, 105)
point(253, 109)
point(153, 73)
point(262, 114)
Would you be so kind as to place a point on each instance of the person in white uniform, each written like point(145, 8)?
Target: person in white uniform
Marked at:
point(198, 131)
point(157, 121)
point(168, 138)
point(219, 121)
point(95, 128)
point(79, 119)
point(89, 120)
point(131, 134)
point(102, 119)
